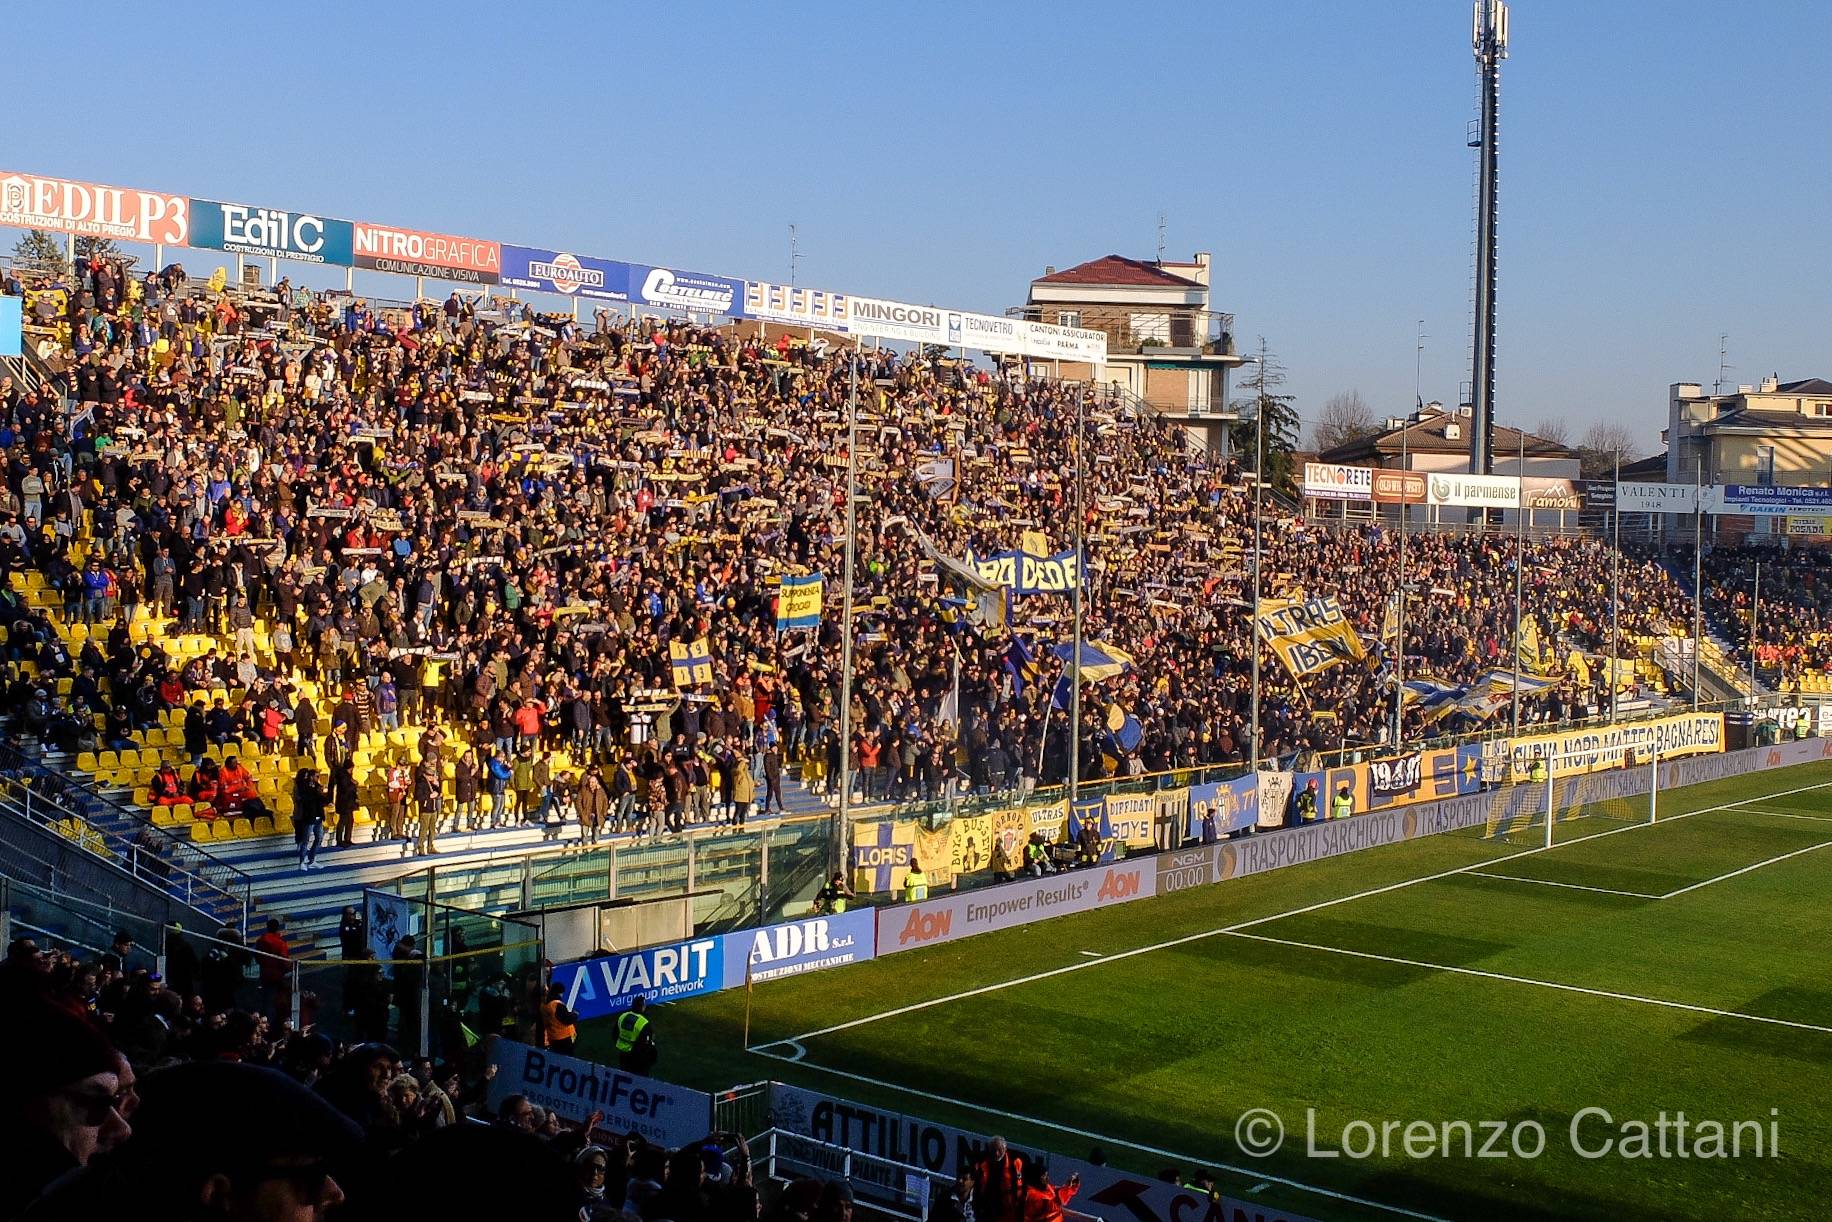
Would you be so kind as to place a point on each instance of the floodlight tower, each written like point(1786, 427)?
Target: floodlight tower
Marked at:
point(1489, 36)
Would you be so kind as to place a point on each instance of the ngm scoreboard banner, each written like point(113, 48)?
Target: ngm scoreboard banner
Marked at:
point(1592, 750)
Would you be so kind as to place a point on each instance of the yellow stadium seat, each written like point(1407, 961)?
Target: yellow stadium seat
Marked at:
point(85, 761)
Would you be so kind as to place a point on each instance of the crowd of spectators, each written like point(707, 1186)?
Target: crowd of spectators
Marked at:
point(125, 1094)
point(1791, 638)
point(489, 525)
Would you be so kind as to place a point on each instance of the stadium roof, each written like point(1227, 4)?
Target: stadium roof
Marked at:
point(1426, 436)
point(1118, 270)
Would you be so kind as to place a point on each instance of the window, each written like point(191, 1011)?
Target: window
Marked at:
point(1765, 466)
point(1068, 318)
point(1819, 409)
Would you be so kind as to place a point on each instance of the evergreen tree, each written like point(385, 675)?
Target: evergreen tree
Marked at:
point(1283, 425)
point(37, 251)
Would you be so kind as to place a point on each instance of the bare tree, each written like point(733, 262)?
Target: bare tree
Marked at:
point(1553, 429)
point(1602, 447)
point(1345, 417)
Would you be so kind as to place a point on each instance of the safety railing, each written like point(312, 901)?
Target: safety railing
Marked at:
point(80, 924)
point(122, 836)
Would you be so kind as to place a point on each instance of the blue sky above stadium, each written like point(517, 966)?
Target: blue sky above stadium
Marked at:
point(1661, 162)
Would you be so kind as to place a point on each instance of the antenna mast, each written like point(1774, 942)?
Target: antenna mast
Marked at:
point(1489, 39)
point(794, 255)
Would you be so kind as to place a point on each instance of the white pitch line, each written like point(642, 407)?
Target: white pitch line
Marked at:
point(1185, 940)
point(1746, 869)
point(1544, 984)
point(1257, 1173)
point(1092, 954)
point(1546, 882)
point(1784, 814)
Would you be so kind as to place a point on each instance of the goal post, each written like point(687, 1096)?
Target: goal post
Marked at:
point(1577, 791)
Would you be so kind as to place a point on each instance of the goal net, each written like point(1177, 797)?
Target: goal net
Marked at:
point(1543, 799)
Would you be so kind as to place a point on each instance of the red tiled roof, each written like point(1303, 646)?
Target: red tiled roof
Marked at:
point(1118, 269)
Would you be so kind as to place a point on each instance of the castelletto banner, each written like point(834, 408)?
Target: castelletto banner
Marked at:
point(690, 292)
point(1591, 750)
point(1426, 776)
point(414, 252)
point(1764, 501)
point(1335, 482)
point(793, 306)
point(1399, 488)
point(1544, 493)
point(63, 205)
point(909, 926)
point(272, 233)
point(550, 271)
point(1475, 491)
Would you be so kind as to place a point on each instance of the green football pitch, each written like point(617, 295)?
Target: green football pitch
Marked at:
point(1492, 996)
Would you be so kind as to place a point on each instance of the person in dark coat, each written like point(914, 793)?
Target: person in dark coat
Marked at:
point(308, 816)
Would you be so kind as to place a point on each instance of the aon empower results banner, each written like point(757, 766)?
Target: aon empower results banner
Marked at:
point(1608, 746)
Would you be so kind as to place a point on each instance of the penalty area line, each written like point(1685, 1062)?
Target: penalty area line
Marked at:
point(1257, 1174)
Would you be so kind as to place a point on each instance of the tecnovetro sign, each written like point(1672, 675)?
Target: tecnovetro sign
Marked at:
point(553, 271)
point(35, 201)
point(694, 292)
point(663, 1113)
point(961, 915)
point(271, 233)
point(414, 252)
point(609, 984)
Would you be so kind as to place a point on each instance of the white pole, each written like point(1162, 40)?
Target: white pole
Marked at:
point(1551, 807)
point(1615, 586)
point(1075, 658)
point(844, 811)
point(1654, 786)
point(1520, 560)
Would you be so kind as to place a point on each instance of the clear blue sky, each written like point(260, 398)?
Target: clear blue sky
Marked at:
point(1663, 163)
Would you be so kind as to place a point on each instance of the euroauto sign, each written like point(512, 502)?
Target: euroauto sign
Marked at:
point(33, 201)
point(552, 271)
point(271, 232)
point(1335, 482)
point(961, 915)
point(414, 252)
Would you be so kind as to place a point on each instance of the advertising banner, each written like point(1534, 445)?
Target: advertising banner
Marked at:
point(12, 326)
point(692, 292)
point(1807, 526)
point(1765, 501)
point(1399, 488)
point(607, 984)
point(1443, 772)
point(1023, 337)
point(272, 233)
point(909, 926)
point(663, 1113)
point(1308, 635)
point(1544, 493)
point(1478, 491)
point(1594, 749)
point(795, 947)
point(941, 1150)
point(414, 252)
point(62, 205)
point(1649, 498)
point(894, 320)
point(1335, 482)
point(1184, 869)
point(548, 271)
point(794, 306)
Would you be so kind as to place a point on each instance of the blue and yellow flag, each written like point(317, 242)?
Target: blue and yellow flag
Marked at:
point(692, 662)
point(798, 603)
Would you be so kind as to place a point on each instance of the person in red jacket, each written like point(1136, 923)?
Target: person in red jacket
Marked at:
point(1043, 1201)
point(166, 789)
point(233, 785)
point(998, 1184)
point(274, 954)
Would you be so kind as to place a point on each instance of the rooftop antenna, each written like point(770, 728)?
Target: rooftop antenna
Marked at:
point(794, 255)
point(1724, 365)
point(1418, 368)
point(1489, 41)
point(1161, 222)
